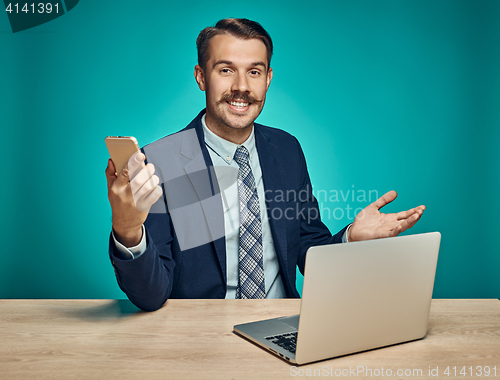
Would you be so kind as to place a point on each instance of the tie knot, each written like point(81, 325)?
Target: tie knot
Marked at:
point(241, 156)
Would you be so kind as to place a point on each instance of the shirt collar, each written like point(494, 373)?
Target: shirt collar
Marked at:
point(226, 149)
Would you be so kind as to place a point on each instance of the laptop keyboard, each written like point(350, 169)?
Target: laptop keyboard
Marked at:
point(287, 341)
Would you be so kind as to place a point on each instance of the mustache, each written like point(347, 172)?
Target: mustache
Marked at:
point(239, 97)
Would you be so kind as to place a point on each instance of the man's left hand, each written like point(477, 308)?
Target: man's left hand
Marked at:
point(370, 223)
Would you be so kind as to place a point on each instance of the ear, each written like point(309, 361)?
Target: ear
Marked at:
point(199, 75)
point(269, 77)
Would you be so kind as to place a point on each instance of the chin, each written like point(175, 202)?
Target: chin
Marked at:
point(238, 123)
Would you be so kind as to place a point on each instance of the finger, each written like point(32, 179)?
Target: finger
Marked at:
point(146, 188)
point(110, 173)
point(148, 200)
point(414, 219)
point(405, 214)
point(420, 210)
point(110, 169)
point(410, 222)
point(123, 178)
point(142, 177)
point(385, 199)
point(136, 163)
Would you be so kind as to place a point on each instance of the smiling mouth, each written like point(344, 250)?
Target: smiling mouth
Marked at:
point(238, 106)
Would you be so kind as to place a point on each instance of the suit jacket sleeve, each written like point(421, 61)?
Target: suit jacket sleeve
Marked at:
point(147, 280)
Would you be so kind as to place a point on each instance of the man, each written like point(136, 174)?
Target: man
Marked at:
point(237, 214)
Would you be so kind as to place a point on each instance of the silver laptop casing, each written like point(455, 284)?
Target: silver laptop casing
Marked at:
point(357, 296)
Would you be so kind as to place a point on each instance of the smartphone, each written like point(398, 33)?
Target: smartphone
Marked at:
point(120, 149)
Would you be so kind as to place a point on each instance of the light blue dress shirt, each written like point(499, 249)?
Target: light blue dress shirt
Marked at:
point(222, 153)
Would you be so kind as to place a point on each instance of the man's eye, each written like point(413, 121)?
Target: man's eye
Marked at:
point(224, 71)
point(255, 72)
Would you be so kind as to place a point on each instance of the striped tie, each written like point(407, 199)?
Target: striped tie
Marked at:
point(251, 263)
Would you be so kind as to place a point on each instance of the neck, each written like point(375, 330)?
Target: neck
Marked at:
point(235, 135)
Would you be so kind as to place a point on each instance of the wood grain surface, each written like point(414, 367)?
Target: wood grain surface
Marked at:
point(193, 339)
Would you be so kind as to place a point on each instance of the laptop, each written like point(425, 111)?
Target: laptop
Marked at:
point(356, 297)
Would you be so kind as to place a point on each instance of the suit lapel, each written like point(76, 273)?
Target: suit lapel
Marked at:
point(201, 173)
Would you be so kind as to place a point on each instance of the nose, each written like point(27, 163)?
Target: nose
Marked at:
point(240, 83)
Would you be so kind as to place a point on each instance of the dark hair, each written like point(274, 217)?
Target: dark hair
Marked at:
point(237, 27)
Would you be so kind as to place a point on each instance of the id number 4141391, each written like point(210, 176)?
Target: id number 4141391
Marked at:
point(470, 371)
point(32, 7)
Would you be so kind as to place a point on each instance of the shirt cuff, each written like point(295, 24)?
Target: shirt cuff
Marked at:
point(131, 252)
point(344, 235)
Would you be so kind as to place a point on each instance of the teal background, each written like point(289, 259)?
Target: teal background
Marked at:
point(382, 95)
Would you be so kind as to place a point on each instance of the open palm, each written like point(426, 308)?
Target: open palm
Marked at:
point(370, 223)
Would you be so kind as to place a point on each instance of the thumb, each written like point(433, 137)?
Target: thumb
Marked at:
point(123, 178)
point(385, 199)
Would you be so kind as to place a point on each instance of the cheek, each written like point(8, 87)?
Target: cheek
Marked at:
point(261, 92)
point(216, 90)
point(261, 86)
point(211, 94)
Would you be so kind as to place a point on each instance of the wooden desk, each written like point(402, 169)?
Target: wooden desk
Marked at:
point(110, 339)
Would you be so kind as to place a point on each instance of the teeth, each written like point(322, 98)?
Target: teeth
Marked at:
point(238, 104)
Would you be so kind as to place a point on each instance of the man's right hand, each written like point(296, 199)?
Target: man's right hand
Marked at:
point(131, 194)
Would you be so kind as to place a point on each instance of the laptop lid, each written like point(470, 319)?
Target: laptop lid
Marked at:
point(363, 295)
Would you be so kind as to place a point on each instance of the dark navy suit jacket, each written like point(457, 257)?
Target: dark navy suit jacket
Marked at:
point(165, 271)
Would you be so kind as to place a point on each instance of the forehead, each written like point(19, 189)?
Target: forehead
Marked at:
point(239, 51)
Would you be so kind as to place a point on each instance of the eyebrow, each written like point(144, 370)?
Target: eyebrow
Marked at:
point(224, 62)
